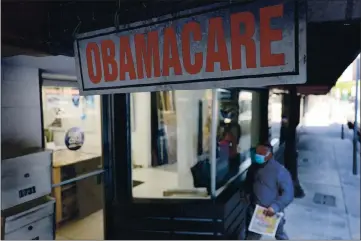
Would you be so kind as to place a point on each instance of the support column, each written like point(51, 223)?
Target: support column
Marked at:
point(290, 153)
point(259, 126)
point(154, 128)
point(234, 99)
point(305, 105)
point(256, 120)
point(141, 129)
point(187, 107)
point(284, 120)
point(116, 143)
point(264, 131)
point(304, 109)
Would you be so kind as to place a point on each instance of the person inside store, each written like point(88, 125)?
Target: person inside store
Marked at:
point(268, 184)
point(231, 133)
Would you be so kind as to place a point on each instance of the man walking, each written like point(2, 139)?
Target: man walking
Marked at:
point(269, 185)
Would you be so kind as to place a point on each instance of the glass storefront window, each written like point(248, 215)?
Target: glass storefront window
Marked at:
point(170, 144)
point(234, 134)
point(172, 141)
point(64, 109)
point(72, 126)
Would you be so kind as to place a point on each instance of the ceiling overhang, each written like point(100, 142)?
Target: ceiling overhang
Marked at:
point(48, 27)
point(9, 51)
point(313, 90)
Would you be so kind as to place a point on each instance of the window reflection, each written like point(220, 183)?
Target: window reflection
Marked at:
point(234, 133)
point(171, 141)
point(244, 120)
point(275, 116)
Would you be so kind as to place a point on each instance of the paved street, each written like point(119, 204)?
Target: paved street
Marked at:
point(325, 167)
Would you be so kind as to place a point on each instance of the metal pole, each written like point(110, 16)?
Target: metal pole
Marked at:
point(355, 127)
point(81, 177)
point(214, 127)
point(342, 132)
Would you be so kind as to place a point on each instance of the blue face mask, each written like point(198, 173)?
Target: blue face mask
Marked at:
point(259, 159)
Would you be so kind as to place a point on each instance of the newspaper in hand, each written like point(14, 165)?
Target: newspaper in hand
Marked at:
point(263, 224)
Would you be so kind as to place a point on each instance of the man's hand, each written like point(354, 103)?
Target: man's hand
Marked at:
point(269, 212)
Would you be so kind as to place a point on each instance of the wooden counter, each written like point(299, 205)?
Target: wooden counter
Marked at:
point(67, 157)
point(72, 200)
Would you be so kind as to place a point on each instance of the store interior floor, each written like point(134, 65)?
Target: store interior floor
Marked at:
point(152, 185)
point(88, 228)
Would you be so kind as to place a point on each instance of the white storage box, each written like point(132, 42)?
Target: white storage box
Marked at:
point(25, 176)
point(30, 221)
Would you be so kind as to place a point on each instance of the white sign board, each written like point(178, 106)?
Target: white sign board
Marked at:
point(253, 44)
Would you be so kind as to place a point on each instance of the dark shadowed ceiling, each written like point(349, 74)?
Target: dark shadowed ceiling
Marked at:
point(47, 27)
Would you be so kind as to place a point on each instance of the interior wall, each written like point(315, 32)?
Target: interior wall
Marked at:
point(141, 129)
point(187, 133)
point(21, 123)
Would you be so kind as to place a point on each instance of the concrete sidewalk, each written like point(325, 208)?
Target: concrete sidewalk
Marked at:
point(325, 169)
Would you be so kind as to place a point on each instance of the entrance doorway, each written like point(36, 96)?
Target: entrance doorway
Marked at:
point(77, 165)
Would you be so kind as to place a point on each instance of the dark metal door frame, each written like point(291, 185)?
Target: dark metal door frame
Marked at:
point(116, 129)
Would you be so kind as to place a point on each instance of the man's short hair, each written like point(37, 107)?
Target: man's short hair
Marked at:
point(268, 145)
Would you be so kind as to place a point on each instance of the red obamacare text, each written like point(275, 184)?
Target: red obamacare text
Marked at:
point(102, 63)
